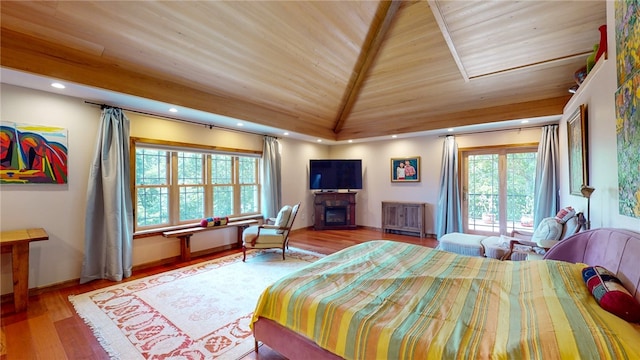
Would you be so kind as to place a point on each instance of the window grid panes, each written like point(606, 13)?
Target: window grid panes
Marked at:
point(191, 203)
point(152, 206)
point(221, 169)
point(204, 185)
point(484, 199)
point(152, 187)
point(498, 189)
point(222, 200)
point(248, 197)
point(190, 168)
point(521, 169)
point(248, 171)
point(151, 167)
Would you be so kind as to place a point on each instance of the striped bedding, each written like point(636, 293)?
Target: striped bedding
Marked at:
point(389, 300)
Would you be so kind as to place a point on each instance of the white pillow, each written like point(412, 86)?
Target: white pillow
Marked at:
point(283, 216)
point(548, 229)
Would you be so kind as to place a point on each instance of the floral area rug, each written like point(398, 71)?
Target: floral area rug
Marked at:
point(200, 311)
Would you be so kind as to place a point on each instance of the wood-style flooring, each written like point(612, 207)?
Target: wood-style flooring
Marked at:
point(51, 329)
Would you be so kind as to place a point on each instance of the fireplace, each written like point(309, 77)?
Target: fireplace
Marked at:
point(335, 215)
point(334, 210)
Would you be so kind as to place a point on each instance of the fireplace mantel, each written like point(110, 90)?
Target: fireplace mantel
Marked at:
point(341, 206)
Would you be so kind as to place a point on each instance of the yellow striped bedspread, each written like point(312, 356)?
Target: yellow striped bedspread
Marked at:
point(389, 300)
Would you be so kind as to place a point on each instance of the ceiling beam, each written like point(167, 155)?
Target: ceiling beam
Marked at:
point(444, 29)
point(524, 110)
point(377, 32)
point(37, 56)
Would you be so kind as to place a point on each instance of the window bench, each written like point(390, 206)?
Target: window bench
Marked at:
point(185, 235)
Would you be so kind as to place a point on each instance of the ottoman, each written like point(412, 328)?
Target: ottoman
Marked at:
point(463, 244)
point(495, 247)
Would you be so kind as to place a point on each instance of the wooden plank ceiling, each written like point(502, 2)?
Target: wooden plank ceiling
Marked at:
point(337, 70)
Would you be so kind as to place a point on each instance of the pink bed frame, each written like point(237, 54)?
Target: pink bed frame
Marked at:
point(616, 249)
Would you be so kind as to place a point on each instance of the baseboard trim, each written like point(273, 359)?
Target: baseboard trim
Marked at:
point(8, 298)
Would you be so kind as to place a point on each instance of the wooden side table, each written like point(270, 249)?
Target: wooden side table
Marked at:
point(17, 243)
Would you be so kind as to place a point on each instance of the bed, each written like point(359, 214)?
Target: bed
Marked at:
point(389, 300)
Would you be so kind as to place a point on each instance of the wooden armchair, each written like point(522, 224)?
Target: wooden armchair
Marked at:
point(529, 246)
point(267, 236)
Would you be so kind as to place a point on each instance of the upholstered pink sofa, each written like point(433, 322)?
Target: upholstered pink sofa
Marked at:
point(614, 249)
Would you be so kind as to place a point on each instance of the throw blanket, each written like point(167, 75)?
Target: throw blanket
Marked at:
point(383, 299)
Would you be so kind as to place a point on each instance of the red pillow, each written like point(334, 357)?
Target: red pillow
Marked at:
point(610, 294)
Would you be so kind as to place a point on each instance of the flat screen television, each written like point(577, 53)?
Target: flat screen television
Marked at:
point(335, 174)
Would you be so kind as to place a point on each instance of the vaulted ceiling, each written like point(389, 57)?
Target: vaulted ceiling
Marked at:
point(331, 69)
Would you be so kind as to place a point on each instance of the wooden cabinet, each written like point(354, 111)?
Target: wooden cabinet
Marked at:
point(404, 217)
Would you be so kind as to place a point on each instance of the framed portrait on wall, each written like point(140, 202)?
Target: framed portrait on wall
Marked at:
point(406, 169)
point(578, 164)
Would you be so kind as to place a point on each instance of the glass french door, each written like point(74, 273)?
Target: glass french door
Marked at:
point(497, 189)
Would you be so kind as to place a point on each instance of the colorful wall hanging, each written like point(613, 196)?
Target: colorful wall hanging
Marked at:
point(32, 154)
point(627, 97)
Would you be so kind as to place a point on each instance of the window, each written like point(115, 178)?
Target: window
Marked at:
point(498, 188)
point(179, 185)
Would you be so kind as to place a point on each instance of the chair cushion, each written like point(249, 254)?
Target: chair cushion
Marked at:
point(548, 229)
point(283, 217)
point(268, 237)
point(610, 294)
point(292, 216)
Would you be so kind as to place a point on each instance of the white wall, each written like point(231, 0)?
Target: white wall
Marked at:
point(57, 208)
point(598, 92)
point(295, 176)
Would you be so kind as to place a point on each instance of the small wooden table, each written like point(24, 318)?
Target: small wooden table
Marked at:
point(17, 243)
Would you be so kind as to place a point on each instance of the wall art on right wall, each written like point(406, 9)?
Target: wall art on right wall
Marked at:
point(627, 31)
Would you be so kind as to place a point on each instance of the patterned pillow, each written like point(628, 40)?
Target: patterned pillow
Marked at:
point(610, 294)
point(565, 214)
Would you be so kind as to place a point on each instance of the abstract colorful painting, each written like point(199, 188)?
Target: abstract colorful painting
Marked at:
point(627, 14)
point(32, 154)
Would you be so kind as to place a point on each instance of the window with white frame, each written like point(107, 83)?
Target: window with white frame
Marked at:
point(181, 185)
point(498, 188)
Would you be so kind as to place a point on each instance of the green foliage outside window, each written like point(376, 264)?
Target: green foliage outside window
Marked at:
point(205, 185)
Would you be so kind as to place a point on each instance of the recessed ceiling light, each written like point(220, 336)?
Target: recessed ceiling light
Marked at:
point(450, 129)
point(394, 136)
point(173, 110)
point(286, 134)
point(240, 124)
point(57, 85)
point(319, 140)
point(350, 141)
point(524, 121)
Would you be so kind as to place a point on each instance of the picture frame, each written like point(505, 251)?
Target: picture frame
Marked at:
point(405, 169)
point(577, 150)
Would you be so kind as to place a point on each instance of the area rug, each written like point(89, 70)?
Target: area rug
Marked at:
point(200, 311)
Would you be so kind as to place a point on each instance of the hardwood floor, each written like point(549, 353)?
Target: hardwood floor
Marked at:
point(51, 329)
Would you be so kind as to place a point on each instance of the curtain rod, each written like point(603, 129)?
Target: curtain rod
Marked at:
point(210, 126)
point(495, 130)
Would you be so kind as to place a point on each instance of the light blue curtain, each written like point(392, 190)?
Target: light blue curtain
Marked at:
point(271, 178)
point(546, 186)
point(109, 214)
point(449, 214)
